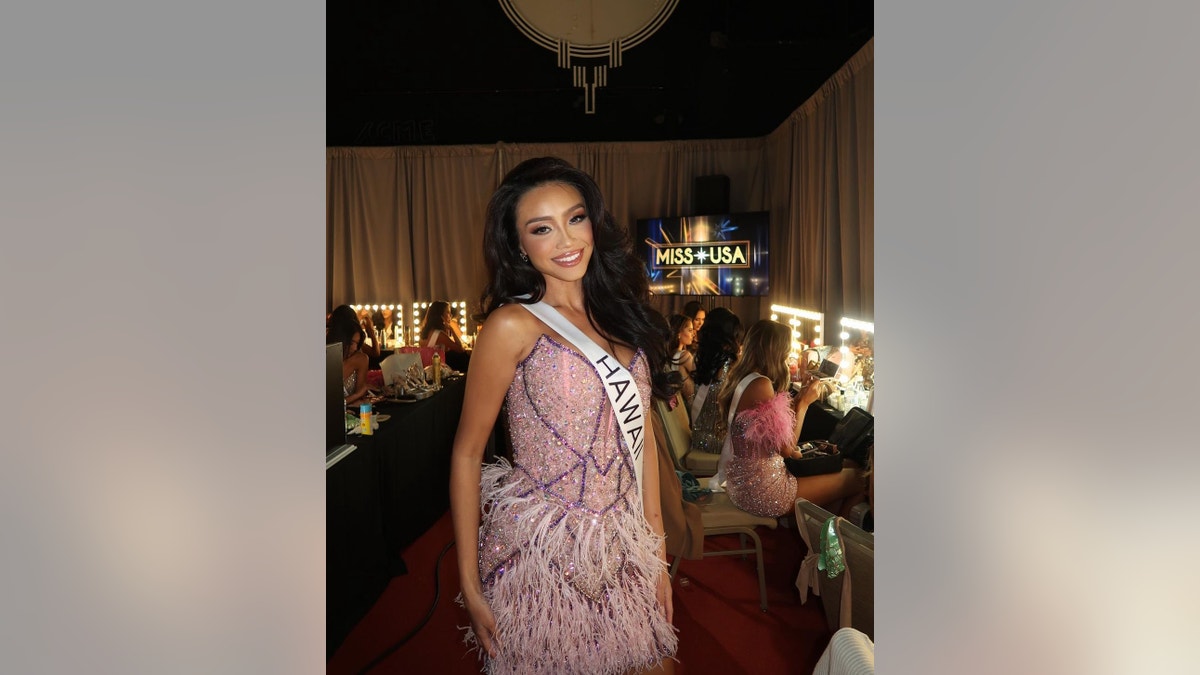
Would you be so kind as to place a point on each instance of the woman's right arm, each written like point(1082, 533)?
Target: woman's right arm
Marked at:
point(499, 348)
point(368, 345)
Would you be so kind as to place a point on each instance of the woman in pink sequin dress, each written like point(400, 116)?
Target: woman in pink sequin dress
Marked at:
point(561, 557)
point(765, 428)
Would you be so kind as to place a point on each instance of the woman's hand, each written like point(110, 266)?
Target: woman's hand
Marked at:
point(664, 594)
point(810, 394)
point(483, 622)
point(807, 377)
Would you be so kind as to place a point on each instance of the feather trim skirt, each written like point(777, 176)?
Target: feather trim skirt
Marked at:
point(572, 591)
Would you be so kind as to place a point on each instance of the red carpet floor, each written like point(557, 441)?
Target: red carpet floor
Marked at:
point(721, 629)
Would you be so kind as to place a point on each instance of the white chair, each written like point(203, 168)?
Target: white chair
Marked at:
point(858, 549)
point(810, 520)
point(679, 432)
point(720, 516)
point(849, 597)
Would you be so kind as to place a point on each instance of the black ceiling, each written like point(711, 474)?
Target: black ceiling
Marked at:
point(454, 72)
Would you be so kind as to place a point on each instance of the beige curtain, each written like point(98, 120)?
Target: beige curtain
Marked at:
point(405, 224)
point(822, 163)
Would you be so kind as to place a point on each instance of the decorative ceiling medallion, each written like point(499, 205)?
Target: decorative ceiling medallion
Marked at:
point(588, 31)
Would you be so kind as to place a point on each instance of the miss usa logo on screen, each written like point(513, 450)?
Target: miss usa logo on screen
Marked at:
point(701, 255)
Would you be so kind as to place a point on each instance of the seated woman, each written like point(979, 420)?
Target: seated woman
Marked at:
point(364, 320)
point(695, 311)
point(681, 339)
point(765, 425)
point(720, 341)
point(344, 327)
point(439, 328)
point(681, 519)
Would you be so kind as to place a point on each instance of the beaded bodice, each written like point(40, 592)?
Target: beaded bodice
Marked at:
point(565, 438)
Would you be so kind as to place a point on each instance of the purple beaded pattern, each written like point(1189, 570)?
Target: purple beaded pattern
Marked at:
point(564, 548)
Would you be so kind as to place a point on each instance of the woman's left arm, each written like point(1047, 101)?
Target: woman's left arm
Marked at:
point(652, 507)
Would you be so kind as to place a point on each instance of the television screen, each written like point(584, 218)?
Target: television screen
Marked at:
point(724, 254)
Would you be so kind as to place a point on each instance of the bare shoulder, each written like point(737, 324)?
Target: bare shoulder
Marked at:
point(758, 391)
point(359, 360)
point(511, 322)
point(509, 334)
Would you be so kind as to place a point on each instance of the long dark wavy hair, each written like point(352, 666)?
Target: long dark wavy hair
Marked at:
point(434, 320)
point(343, 326)
point(615, 288)
point(718, 342)
point(666, 382)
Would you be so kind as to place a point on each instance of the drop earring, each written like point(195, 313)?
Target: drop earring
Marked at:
point(524, 257)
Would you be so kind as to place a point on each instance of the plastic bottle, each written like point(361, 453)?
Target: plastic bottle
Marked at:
point(364, 419)
point(437, 371)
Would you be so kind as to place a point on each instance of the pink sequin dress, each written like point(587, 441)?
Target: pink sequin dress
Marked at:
point(756, 477)
point(567, 559)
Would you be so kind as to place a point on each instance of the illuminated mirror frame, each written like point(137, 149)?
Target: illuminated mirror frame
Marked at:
point(854, 324)
point(396, 308)
point(458, 307)
point(796, 319)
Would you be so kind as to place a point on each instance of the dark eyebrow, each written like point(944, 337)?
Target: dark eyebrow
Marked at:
point(537, 219)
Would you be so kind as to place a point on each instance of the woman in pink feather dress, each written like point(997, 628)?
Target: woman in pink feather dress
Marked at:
point(561, 552)
point(765, 427)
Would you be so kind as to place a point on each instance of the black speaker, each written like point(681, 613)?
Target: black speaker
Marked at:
point(710, 194)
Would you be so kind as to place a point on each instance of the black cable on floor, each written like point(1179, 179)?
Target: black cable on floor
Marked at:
point(437, 593)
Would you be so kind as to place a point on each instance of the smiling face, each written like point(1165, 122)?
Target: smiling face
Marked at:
point(555, 232)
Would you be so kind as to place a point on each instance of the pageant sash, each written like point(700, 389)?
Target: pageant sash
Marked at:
point(618, 383)
point(717, 482)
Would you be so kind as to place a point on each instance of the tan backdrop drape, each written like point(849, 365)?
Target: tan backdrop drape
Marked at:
point(405, 224)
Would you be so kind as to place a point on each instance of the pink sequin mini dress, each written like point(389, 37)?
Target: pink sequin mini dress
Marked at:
point(567, 559)
point(756, 477)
